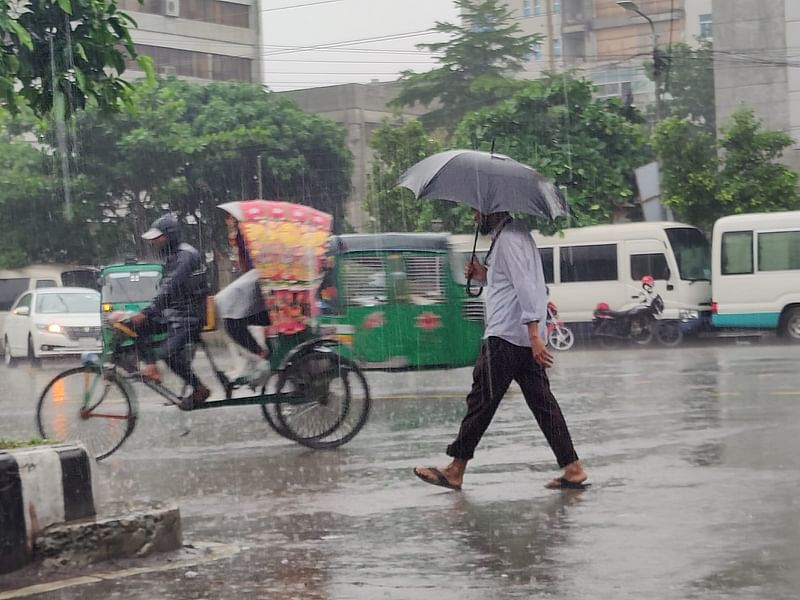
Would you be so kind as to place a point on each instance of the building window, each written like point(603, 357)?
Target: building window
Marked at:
point(737, 253)
point(203, 65)
point(537, 8)
point(557, 47)
point(210, 11)
point(556, 7)
point(705, 27)
point(779, 251)
point(536, 52)
point(588, 263)
point(155, 7)
point(527, 9)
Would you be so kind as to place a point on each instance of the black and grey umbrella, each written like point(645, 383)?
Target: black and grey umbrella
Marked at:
point(485, 181)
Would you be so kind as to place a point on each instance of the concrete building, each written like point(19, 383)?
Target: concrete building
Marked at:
point(755, 64)
point(200, 40)
point(542, 17)
point(607, 43)
point(359, 108)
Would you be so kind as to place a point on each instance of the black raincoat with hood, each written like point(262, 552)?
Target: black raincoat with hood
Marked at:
point(184, 286)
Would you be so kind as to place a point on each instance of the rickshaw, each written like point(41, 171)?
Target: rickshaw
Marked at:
point(316, 396)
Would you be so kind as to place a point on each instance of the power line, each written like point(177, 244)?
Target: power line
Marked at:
point(290, 7)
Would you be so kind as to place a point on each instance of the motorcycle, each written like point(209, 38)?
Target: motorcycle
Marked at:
point(559, 335)
point(638, 324)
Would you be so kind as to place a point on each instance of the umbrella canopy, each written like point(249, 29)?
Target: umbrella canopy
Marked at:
point(485, 181)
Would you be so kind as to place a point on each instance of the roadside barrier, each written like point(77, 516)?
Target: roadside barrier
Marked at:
point(40, 486)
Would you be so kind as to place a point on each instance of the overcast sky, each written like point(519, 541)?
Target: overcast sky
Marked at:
point(310, 43)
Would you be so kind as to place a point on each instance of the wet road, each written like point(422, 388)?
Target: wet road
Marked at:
point(692, 453)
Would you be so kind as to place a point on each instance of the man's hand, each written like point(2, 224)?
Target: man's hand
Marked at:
point(137, 319)
point(475, 270)
point(540, 353)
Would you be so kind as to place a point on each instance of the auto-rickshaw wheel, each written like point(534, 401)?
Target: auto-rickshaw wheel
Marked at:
point(337, 400)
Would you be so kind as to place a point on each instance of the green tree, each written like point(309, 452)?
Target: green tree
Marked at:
point(704, 179)
point(187, 148)
point(475, 63)
point(32, 223)
point(586, 145)
point(689, 179)
point(61, 54)
point(398, 145)
point(751, 178)
point(689, 84)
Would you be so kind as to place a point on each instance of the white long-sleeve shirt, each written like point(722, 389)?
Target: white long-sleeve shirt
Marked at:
point(516, 292)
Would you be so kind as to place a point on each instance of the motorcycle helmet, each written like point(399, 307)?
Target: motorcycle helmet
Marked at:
point(648, 281)
point(602, 306)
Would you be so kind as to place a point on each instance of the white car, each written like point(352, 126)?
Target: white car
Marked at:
point(56, 321)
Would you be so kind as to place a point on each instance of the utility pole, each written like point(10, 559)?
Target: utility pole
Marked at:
point(659, 60)
point(258, 174)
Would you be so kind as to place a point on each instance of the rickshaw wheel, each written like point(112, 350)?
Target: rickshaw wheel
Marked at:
point(84, 405)
point(271, 417)
point(336, 405)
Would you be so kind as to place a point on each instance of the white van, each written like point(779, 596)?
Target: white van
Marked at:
point(605, 263)
point(13, 282)
point(756, 272)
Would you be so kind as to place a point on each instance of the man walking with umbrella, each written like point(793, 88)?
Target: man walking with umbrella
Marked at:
point(513, 347)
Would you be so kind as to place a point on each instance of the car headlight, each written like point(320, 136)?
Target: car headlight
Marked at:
point(689, 315)
point(51, 328)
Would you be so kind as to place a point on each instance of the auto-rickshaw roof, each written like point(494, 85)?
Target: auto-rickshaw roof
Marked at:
point(132, 267)
point(386, 242)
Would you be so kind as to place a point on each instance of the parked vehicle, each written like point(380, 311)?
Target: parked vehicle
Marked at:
point(559, 336)
point(604, 263)
point(54, 321)
point(756, 272)
point(13, 282)
point(638, 324)
point(399, 300)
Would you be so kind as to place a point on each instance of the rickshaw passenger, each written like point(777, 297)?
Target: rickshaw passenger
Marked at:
point(241, 305)
point(177, 309)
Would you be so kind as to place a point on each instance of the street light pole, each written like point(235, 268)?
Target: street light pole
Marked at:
point(631, 6)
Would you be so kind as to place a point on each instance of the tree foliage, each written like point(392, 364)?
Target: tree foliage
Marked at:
point(475, 63)
point(752, 179)
point(688, 157)
point(397, 146)
point(187, 148)
point(704, 179)
point(690, 84)
point(64, 53)
point(588, 146)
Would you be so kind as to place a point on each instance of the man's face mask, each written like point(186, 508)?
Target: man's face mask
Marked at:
point(484, 227)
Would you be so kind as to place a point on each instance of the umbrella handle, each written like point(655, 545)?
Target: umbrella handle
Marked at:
point(470, 292)
point(472, 258)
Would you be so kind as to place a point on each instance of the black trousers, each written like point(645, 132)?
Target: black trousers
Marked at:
point(177, 350)
point(237, 329)
point(498, 364)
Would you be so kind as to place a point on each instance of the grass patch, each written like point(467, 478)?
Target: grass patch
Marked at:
point(12, 444)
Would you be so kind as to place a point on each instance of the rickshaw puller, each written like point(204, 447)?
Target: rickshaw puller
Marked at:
point(177, 310)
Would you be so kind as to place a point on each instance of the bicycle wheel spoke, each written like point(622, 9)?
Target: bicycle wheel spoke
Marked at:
point(337, 406)
point(80, 405)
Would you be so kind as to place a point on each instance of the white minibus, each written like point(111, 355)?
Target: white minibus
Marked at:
point(605, 263)
point(756, 272)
